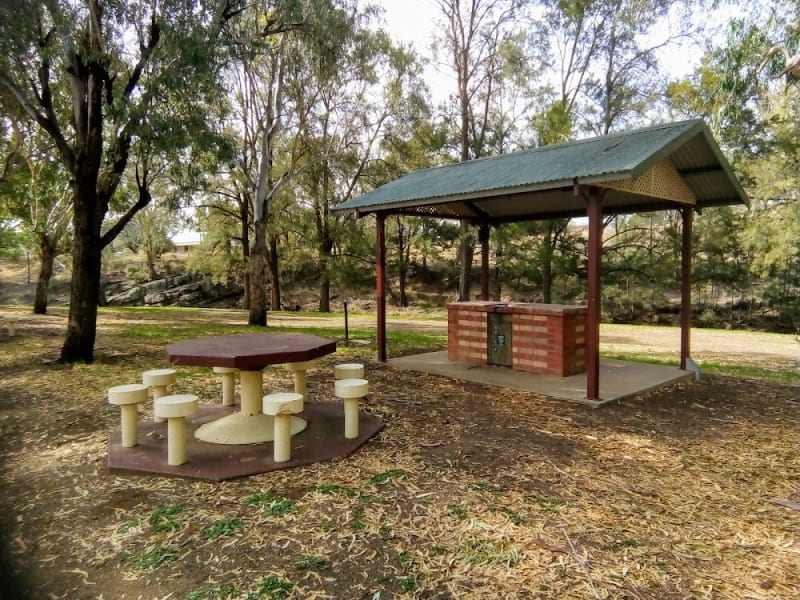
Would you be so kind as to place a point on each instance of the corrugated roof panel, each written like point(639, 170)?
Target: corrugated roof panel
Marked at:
point(624, 155)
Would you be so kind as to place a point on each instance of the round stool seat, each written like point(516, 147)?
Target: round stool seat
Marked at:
point(133, 393)
point(348, 371)
point(351, 388)
point(159, 377)
point(178, 405)
point(282, 403)
point(223, 370)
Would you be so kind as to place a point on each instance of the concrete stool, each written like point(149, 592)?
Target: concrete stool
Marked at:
point(175, 409)
point(228, 384)
point(350, 391)
point(300, 369)
point(11, 324)
point(158, 380)
point(127, 397)
point(282, 406)
point(348, 371)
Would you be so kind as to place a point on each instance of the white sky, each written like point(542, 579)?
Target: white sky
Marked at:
point(414, 22)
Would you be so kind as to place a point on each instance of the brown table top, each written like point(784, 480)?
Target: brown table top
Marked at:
point(249, 352)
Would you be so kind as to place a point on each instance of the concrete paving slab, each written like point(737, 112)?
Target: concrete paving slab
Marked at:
point(618, 379)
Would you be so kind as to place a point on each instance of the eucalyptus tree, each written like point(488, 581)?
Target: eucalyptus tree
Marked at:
point(756, 117)
point(272, 150)
point(473, 35)
point(371, 95)
point(630, 82)
point(89, 73)
point(35, 192)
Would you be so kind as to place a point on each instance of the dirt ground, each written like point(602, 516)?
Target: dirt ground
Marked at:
point(469, 492)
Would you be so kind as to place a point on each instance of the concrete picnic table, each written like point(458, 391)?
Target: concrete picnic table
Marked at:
point(250, 353)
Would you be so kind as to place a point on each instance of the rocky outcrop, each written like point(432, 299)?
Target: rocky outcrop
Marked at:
point(177, 290)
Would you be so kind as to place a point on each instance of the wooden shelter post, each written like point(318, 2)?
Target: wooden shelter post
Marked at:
point(594, 210)
point(687, 212)
point(483, 236)
point(380, 282)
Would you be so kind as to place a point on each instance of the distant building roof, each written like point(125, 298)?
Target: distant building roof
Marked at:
point(187, 238)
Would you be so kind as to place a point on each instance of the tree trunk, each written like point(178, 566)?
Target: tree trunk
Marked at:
point(151, 259)
point(466, 250)
point(47, 256)
point(258, 283)
point(325, 248)
point(548, 251)
point(497, 287)
point(547, 268)
point(274, 273)
point(244, 217)
point(86, 270)
point(324, 291)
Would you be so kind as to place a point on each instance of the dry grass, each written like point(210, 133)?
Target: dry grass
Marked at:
point(469, 492)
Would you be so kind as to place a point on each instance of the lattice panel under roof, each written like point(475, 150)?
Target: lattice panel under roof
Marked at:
point(662, 180)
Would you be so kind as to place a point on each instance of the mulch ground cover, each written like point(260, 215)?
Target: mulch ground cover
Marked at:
point(469, 492)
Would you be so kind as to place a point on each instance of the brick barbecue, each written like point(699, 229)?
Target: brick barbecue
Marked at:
point(536, 338)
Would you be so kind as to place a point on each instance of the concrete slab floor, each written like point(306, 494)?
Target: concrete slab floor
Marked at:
point(618, 379)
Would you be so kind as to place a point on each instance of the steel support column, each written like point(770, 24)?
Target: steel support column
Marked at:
point(483, 236)
point(687, 212)
point(594, 210)
point(380, 282)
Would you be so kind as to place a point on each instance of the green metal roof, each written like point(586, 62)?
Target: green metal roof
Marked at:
point(539, 183)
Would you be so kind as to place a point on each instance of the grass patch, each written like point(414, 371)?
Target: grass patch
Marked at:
point(153, 558)
point(222, 527)
point(219, 591)
point(457, 511)
point(407, 584)
point(357, 523)
point(486, 552)
point(552, 505)
point(306, 562)
point(712, 368)
point(163, 519)
point(390, 475)
point(333, 489)
point(273, 505)
point(751, 372)
point(274, 588)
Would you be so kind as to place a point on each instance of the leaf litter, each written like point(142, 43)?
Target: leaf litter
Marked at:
point(469, 492)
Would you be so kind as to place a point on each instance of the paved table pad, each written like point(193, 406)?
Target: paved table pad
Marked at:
point(322, 440)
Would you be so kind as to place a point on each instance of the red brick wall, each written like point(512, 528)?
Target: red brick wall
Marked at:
point(547, 339)
point(466, 332)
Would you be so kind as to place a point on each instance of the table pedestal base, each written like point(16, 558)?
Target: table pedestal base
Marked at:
point(243, 429)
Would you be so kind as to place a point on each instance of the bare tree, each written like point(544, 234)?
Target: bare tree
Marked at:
point(474, 32)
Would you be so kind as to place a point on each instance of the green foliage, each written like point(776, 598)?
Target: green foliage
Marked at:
point(274, 587)
point(488, 552)
point(273, 505)
point(222, 527)
point(390, 475)
point(164, 519)
point(407, 585)
point(219, 591)
point(153, 558)
point(307, 562)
